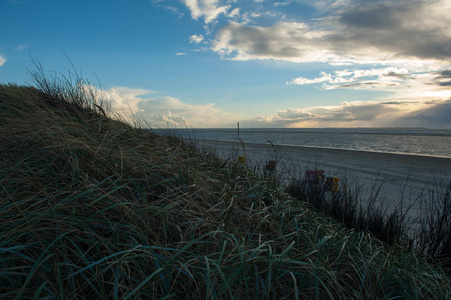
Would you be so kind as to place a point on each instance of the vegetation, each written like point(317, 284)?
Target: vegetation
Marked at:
point(428, 234)
point(92, 207)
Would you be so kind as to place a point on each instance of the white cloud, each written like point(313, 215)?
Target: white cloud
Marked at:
point(301, 80)
point(2, 60)
point(165, 111)
point(176, 112)
point(125, 100)
point(280, 3)
point(196, 39)
point(209, 9)
point(234, 13)
point(22, 47)
point(180, 54)
point(381, 78)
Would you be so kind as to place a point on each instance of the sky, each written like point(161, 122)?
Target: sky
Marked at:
point(213, 63)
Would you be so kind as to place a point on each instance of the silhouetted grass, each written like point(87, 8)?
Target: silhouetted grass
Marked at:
point(349, 207)
point(433, 234)
point(92, 207)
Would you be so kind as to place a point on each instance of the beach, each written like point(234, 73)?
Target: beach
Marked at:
point(398, 175)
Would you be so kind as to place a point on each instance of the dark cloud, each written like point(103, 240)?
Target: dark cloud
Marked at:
point(346, 112)
point(364, 112)
point(406, 28)
point(434, 116)
point(375, 16)
point(398, 75)
point(366, 84)
point(295, 114)
point(442, 78)
point(264, 41)
point(445, 74)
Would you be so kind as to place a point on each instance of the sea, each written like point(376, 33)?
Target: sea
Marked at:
point(413, 141)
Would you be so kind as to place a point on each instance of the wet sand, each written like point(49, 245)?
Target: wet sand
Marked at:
point(400, 175)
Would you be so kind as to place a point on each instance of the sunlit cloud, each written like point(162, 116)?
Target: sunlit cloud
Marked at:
point(196, 39)
point(234, 13)
point(2, 60)
point(165, 111)
point(382, 78)
point(280, 3)
point(124, 100)
point(283, 41)
point(432, 114)
point(208, 9)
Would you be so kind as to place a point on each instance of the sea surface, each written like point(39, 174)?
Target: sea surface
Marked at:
point(418, 141)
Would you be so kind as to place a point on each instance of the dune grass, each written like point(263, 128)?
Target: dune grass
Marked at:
point(92, 207)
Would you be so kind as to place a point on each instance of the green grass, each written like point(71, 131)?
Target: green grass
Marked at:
point(92, 207)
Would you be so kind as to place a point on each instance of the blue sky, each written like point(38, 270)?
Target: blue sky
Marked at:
point(211, 63)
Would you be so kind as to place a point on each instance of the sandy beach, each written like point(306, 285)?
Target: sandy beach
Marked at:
point(400, 175)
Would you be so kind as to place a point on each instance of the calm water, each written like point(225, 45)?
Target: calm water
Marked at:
point(433, 142)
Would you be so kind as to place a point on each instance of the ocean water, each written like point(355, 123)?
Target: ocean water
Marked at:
point(429, 142)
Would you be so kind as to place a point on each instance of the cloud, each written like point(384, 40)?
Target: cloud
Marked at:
point(302, 81)
point(283, 41)
point(432, 114)
point(409, 33)
point(22, 47)
point(443, 78)
point(2, 60)
point(234, 13)
point(280, 3)
point(381, 78)
point(164, 5)
point(435, 116)
point(124, 100)
point(165, 111)
point(174, 111)
point(196, 39)
point(180, 54)
point(209, 9)
point(417, 29)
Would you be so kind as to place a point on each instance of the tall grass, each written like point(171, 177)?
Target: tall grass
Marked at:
point(428, 233)
point(433, 234)
point(353, 209)
point(92, 207)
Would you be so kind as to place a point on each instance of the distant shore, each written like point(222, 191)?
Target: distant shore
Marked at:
point(397, 172)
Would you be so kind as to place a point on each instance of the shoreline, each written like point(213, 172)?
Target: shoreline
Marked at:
point(323, 148)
